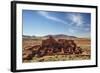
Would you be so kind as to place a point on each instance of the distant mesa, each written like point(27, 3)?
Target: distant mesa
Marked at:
point(60, 36)
point(54, 36)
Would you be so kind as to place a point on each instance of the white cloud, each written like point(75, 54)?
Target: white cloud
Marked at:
point(76, 19)
point(72, 31)
point(48, 16)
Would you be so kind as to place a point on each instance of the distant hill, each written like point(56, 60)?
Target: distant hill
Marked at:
point(27, 36)
point(60, 36)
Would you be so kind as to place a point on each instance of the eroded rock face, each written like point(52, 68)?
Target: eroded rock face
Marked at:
point(51, 46)
point(50, 42)
point(27, 54)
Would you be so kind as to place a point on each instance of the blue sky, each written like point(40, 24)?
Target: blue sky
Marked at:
point(41, 23)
